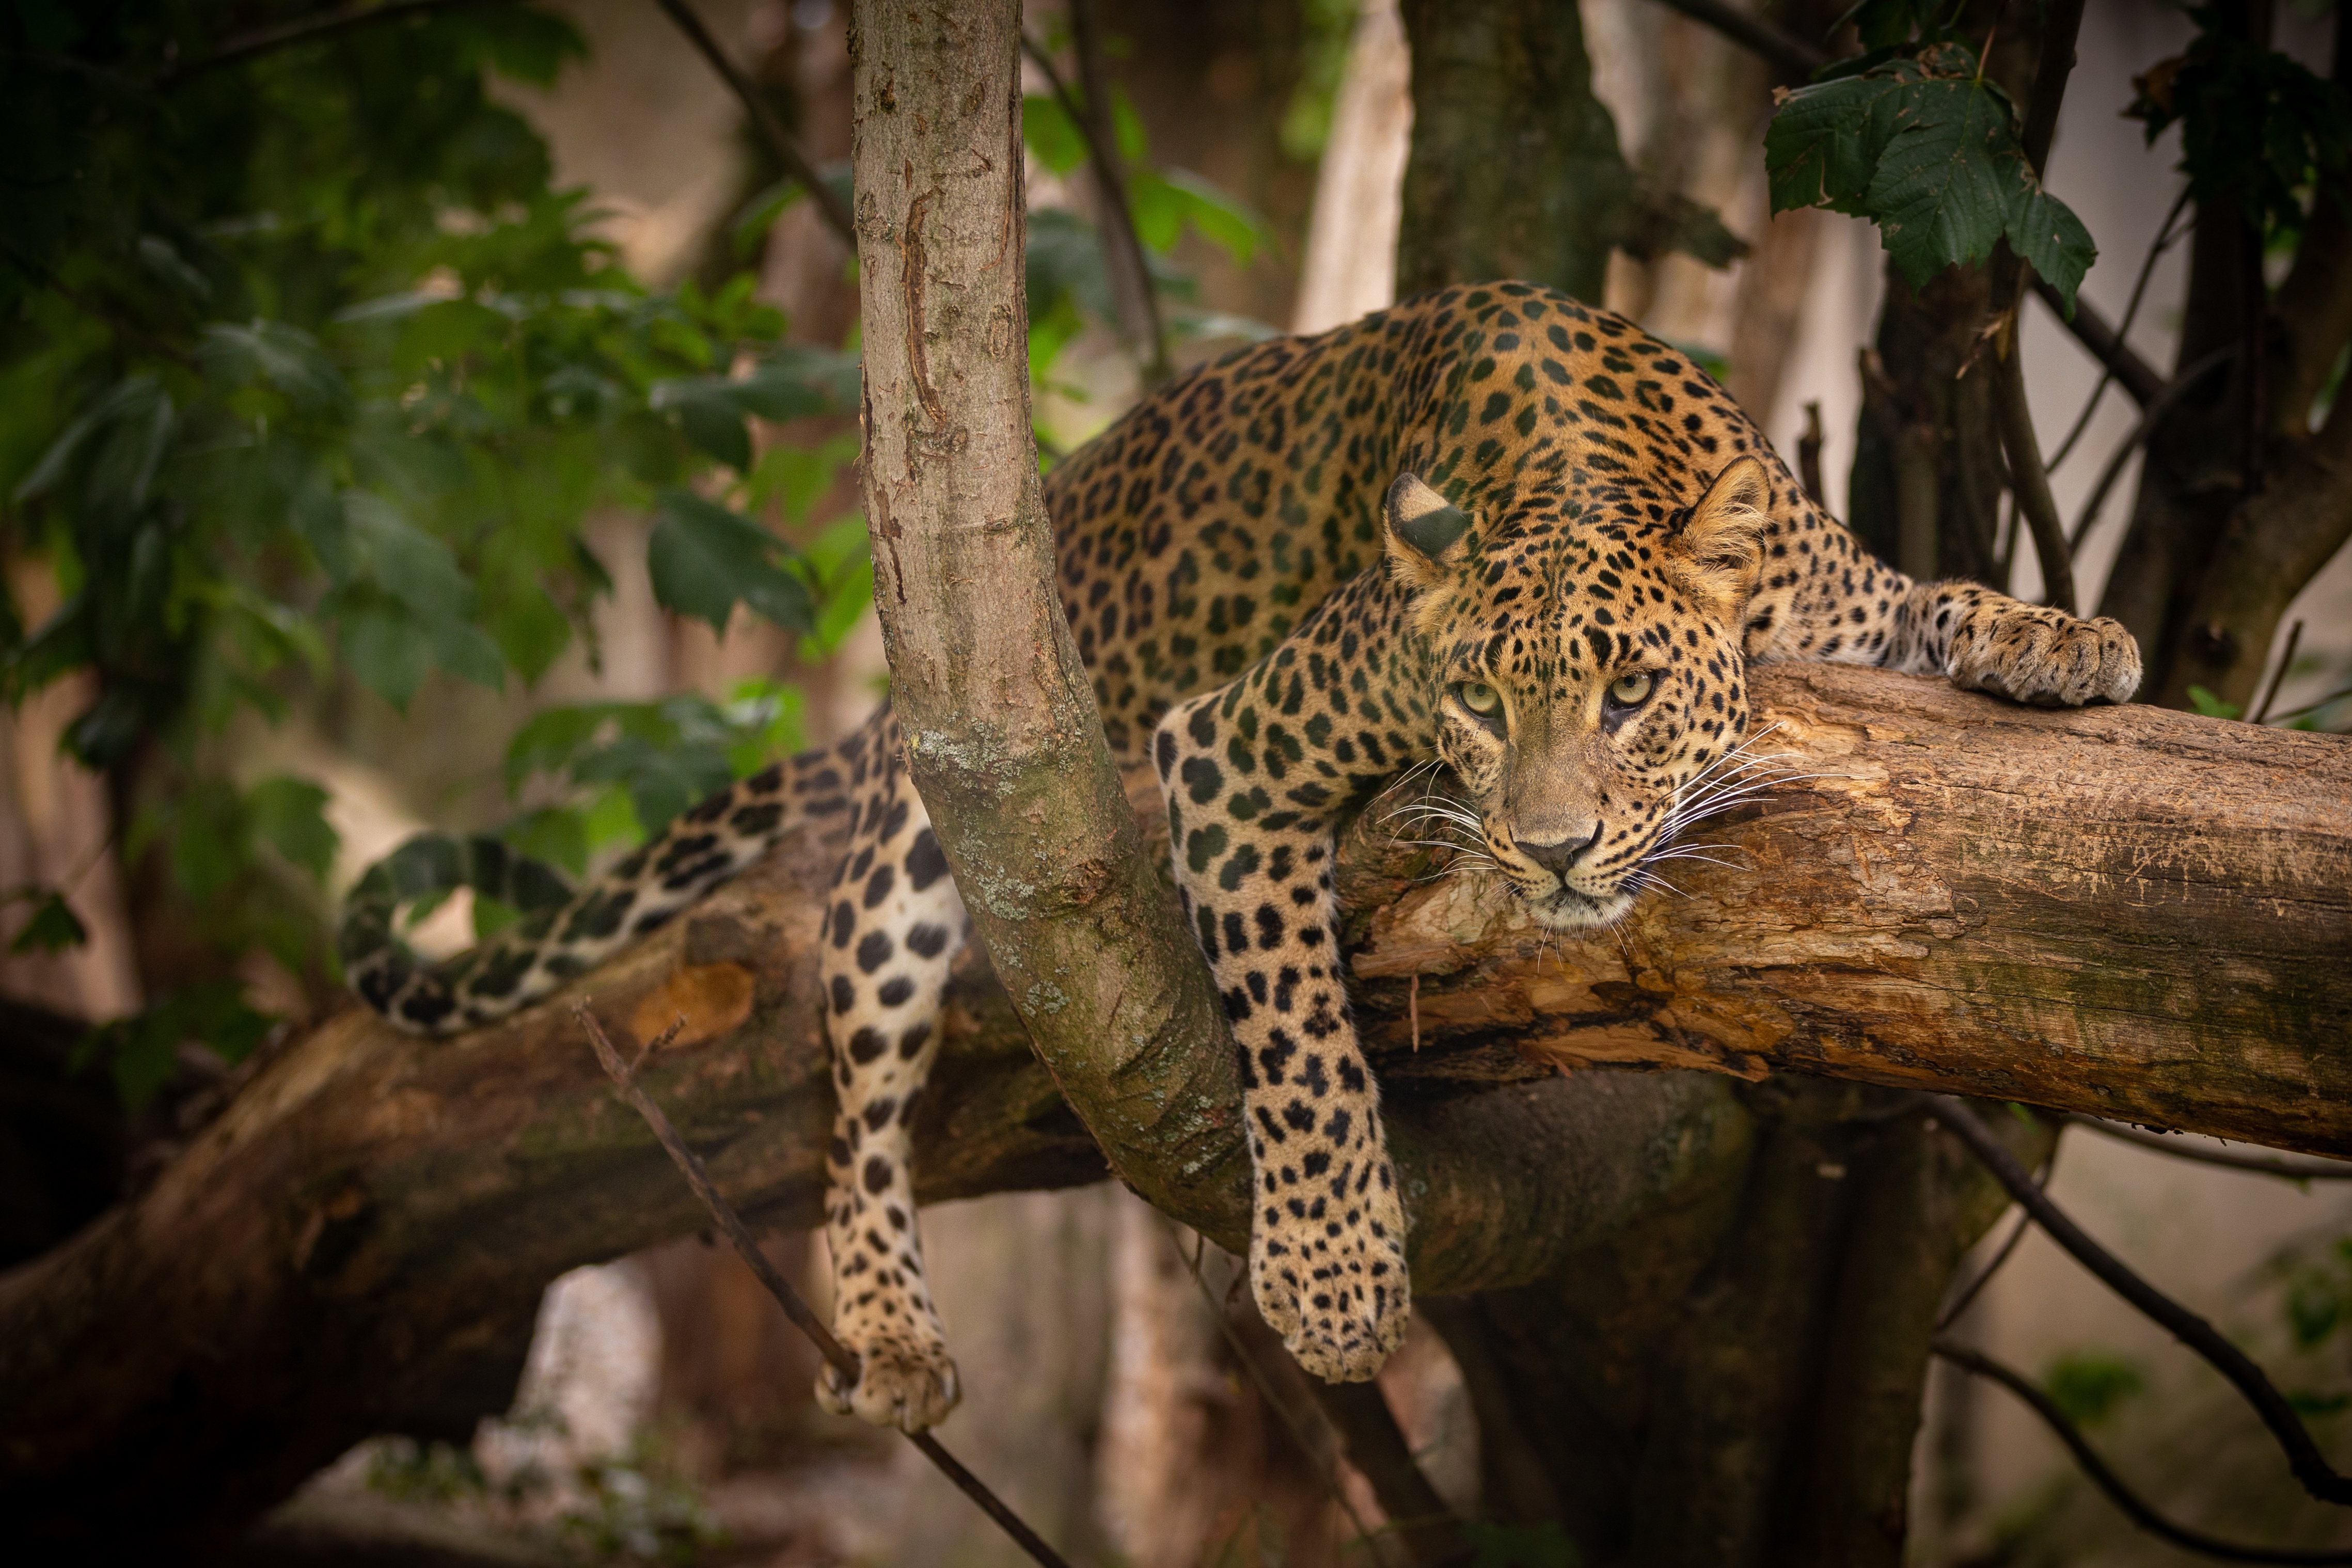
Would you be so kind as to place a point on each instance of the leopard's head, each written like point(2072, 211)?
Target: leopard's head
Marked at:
point(1589, 684)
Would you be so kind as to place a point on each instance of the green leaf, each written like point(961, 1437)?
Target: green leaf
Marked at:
point(2205, 702)
point(705, 557)
point(286, 358)
point(53, 928)
point(1223, 219)
point(2088, 1387)
point(1823, 145)
point(404, 561)
point(466, 651)
point(1940, 194)
point(2047, 235)
point(1048, 131)
point(662, 781)
point(289, 816)
point(387, 651)
point(706, 411)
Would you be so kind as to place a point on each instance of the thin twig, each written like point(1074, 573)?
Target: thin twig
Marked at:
point(1951, 1314)
point(2153, 411)
point(2165, 237)
point(2029, 482)
point(780, 143)
point(2310, 1466)
point(836, 1354)
point(2286, 661)
point(2141, 380)
point(2106, 1480)
point(2265, 1164)
point(1122, 246)
point(1256, 1374)
point(310, 29)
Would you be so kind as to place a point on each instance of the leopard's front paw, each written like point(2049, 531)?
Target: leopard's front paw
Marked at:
point(905, 1376)
point(2046, 657)
point(1331, 1280)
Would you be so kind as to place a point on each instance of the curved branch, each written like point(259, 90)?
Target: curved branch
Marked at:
point(2150, 417)
point(2310, 1466)
point(2106, 1480)
point(1123, 246)
point(2029, 482)
point(1794, 58)
point(2143, 381)
point(770, 129)
point(2264, 1165)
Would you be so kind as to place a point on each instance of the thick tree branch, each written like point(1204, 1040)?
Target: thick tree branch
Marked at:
point(1003, 735)
point(2125, 911)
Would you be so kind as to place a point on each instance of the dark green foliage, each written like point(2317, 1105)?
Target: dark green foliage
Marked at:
point(2089, 1388)
point(2256, 127)
point(1917, 140)
point(308, 381)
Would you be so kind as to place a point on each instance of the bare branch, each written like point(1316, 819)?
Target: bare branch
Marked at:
point(2166, 237)
point(2062, 23)
point(1138, 299)
point(2150, 417)
point(2141, 380)
point(2029, 481)
point(2106, 1478)
point(779, 141)
point(746, 1246)
point(1791, 56)
point(2310, 1466)
point(2265, 1164)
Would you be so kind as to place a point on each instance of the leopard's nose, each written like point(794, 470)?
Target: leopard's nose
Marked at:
point(1557, 857)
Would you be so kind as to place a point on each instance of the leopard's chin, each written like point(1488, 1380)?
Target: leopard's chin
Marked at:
point(1565, 909)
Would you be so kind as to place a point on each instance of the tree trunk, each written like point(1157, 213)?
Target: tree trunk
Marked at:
point(2126, 912)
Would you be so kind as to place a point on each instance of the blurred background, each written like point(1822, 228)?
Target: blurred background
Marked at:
point(1110, 1394)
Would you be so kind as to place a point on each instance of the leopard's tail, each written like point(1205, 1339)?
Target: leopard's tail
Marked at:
point(564, 932)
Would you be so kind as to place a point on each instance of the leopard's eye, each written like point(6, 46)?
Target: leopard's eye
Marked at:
point(1480, 698)
point(1634, 690)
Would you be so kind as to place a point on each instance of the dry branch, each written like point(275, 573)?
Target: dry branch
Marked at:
point(2129, 912)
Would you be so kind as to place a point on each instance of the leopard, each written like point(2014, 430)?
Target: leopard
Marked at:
point(1491, 533)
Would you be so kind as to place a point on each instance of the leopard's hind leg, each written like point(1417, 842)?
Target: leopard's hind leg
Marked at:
point(893, 926)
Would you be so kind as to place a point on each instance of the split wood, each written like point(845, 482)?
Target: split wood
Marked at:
point(836, 1354)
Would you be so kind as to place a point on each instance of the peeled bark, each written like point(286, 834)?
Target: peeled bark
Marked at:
point(2127, 912)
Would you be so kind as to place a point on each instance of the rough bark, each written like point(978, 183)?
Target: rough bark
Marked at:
point(1003, 735)
point(2128, 912)
point(1516, 169)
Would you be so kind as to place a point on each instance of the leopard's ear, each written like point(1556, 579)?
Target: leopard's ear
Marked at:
point(1719, 543)
point(1427, 535)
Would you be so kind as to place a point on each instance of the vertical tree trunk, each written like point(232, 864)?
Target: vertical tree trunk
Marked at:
point(1004, 739)
point(1514, 170)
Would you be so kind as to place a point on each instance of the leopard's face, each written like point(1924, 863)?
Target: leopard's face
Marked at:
point(1588, 681)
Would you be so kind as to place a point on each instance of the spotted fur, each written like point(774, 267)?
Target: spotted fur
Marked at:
point(1490, 528)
